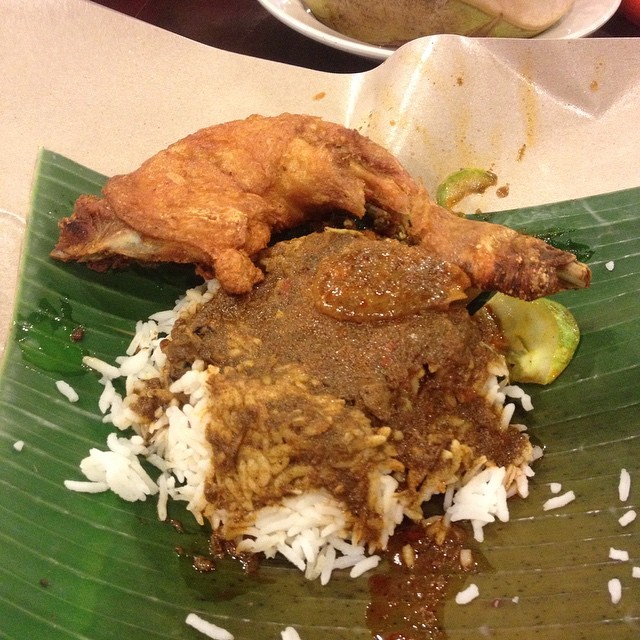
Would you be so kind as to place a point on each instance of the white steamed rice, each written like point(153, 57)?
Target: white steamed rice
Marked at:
point(467, 595)
point(215, 632)
point(67, 391)
point(624, 485)
point(618, 554)
point(289, 633)
point(559, 501)
point(627, 518)
point(208, 629)
point(615, 590)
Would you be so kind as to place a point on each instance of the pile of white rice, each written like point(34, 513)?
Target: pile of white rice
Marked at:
point(310, 530)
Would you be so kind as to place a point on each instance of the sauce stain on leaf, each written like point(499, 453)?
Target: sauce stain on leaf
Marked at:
point(407, 598)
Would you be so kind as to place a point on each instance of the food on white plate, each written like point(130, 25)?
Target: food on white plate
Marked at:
point(392, 23)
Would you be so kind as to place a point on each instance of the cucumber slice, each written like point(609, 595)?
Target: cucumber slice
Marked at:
point(463, 183)
point(542, 336)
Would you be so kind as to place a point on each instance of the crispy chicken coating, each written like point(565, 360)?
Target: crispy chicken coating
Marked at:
point(216, 198)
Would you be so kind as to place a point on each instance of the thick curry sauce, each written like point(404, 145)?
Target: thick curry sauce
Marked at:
point(355, 357)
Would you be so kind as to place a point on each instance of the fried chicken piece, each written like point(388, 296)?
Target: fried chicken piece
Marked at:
point(216, 197)
point(496, 257)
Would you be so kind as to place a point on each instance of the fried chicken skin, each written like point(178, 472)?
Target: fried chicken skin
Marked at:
point(216, 197)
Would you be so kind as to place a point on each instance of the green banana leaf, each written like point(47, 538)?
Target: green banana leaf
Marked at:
point(92, 566)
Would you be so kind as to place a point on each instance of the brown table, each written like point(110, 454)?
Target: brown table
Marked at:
point(243, 26)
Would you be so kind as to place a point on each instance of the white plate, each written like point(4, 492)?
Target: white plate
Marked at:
point(584, 18)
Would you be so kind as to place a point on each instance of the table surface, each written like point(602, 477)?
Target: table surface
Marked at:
point(244, 26)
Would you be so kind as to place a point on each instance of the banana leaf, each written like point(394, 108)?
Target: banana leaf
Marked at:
point(92, 566)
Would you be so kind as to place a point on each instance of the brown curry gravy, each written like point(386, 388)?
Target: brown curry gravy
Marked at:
point(407, 597)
